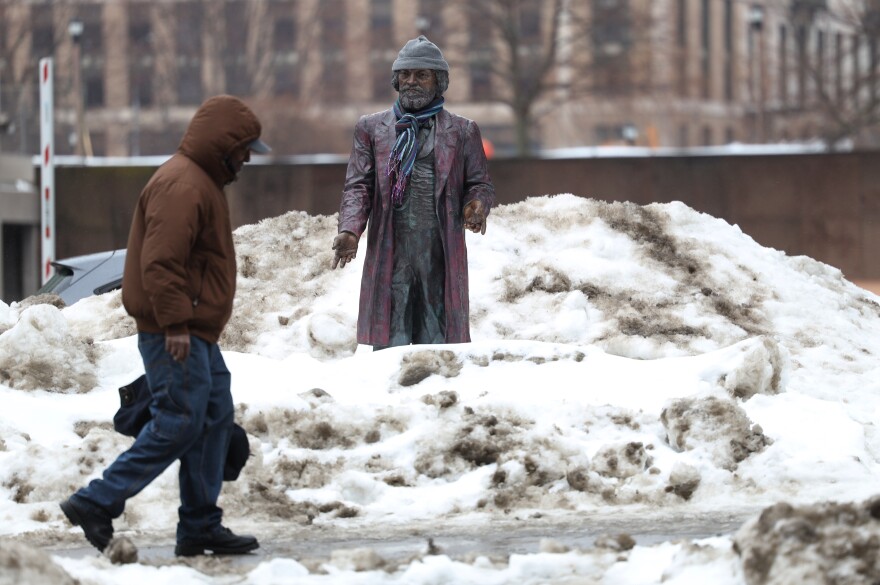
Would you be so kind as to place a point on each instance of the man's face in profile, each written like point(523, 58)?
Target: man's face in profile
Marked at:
point(236, 159)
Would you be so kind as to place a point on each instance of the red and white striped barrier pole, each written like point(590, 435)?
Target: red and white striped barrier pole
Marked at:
point(47, 169)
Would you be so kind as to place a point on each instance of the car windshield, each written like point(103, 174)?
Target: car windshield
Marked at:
point(59, 281)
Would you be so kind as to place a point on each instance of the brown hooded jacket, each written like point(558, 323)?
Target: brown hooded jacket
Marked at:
point(180, 265)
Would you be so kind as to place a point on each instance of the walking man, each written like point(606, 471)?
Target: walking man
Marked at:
point(418, 174)
point(179, 284)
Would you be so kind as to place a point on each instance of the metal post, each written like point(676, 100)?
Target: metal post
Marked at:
point(47, 169)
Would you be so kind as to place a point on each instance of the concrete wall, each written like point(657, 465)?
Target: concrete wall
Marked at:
point(19, 228)
point(826, 206)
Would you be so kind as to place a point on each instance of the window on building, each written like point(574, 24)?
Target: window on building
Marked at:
point(140, 34)
point(94, 91)
point(190, 27)
point(820, 58)
point(42, 31)
point(381, 24)
point(783, 64)
point(706, 49)
point(728, 51)
point(92, 39)
point(3, 33)
point(140, 55)
point(839, 49)
point(856, 70)
point(141, 85)
point(189, 85)
point(238, 79)
point(612, 44)
point(611, 134)
point(333, 84)
point(382, 51)
point(156, 142)
point(188, 46)
point(287, 79)
point(874, 64)
point(872, 30)
point(530, 20)
point(141, 88)
point(13, 238)
point(42, 41)
point(605, 134)
point(92, 53)
point(480, 56)
point(683, 141)
point(429, 21)
point(802, 65)
point(98, 140)
point(707, 136)
point(332, 17)
point(285, 38)
point(681, 32)
point(807, 132)
point(333, 76)
point(380, 82)
point(481, 81)
point(284, 35)
point(286, 66)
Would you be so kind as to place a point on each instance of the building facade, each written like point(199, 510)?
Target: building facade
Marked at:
point(666, 73)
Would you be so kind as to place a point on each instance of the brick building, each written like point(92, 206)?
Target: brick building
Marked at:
point(673, 73)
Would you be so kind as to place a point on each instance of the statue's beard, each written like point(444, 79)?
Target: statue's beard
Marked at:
point(414, 99)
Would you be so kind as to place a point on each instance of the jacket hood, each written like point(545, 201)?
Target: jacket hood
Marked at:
point(220, 125)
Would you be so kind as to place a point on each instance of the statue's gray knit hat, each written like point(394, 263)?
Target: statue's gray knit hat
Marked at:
point(420, 53)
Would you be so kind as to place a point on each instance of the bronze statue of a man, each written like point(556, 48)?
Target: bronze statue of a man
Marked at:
point(419, 176)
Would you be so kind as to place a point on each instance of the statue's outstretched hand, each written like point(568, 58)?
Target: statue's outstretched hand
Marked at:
point(345, 244)
point(475, 217)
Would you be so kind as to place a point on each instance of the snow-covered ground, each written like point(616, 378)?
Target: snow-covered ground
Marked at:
point(630, 366)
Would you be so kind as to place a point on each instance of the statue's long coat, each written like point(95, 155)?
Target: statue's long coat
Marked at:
point(460, 175)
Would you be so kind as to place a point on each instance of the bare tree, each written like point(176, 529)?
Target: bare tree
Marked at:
point(23, 42)
point(284, 87)
point(835, 67)
point(617, 43)
point(526, 45)
point(617, 49)
point(541, 52)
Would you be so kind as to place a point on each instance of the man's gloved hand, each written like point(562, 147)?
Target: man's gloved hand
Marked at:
point(345, 245)
point(475, 217)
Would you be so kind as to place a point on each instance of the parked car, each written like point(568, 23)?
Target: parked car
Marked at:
point(83, 276)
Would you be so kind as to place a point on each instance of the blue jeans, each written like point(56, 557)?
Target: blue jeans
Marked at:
point(192, 421)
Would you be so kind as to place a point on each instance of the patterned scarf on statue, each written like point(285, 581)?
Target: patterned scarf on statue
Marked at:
point(403, 155)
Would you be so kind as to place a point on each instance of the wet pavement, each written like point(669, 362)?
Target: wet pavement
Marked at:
point(399, 544)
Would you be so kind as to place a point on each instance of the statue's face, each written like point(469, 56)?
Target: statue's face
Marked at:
point(417, 88)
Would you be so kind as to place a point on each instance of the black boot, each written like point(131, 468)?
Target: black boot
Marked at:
point(220, 541)
point(95, 522)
